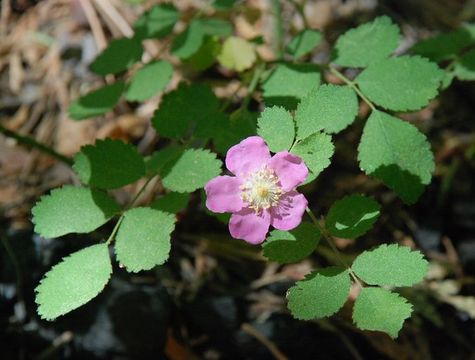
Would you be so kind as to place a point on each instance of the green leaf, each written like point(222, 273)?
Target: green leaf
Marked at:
point(237, 54)
point(321, 294)
point(117, 57)
point(401, 84)
point(206, 54)
point(211, 126)
point(465, 66)
point(276, 126)
point(291, 246)
point(109, 164)
point(183, 108)
point(304, 42)
point(367, 43)
point(157, 22)
point(72, 209)
point(77, 279)
point(316, 151)
point(156, 163)
point(241, 124)
point(330, 108)
point(352, 216)
point(172, 202)
point(191, 171)
point(189, 41)
point(223, 5)
point(397, 153)
point(215, 27)
point(97, 102)
point(149, 80)
point(380, 310)
point(143, 239)
point(289, 83)
point(391, 265)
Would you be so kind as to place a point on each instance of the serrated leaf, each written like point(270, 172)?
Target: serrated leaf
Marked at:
point(72, 209)
point(316, 152)
point(157, 161)
point(237, 54)
point(330, 108)
point(465, 66)
point(183, 108)
point(172, 202)
point(289, 83)
point(118, 56)
point(240, 125)
point(367, 43)
point(321, 294)
point(77, 279)
point(291, 246)
point(380, 310)
point(390, 265)
point(149, 80)
point(403, 83)
point(276, 126)
point(304, 42)
point(157, 22)
point(109, 164)
point(397, 153)
point(191, 170)
point(143, 239)
point(97, 102)
point(352, 216)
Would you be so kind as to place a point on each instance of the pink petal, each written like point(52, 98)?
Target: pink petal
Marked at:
point(223, 194)
point(249, 155)
point(289, 168)
point(288, 214)
point(249, 226)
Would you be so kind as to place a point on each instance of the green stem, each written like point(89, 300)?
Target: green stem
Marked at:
point(32, 143)
point(278, 36)
point(330, 242)
point(252, 86)
point(301, 10)
point(353, 86)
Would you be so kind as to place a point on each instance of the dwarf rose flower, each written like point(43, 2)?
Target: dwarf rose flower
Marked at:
point(262, 192)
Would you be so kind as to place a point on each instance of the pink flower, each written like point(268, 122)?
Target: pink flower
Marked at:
point(262, 192)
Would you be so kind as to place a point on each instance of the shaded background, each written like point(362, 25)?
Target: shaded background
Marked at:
point(217, 297)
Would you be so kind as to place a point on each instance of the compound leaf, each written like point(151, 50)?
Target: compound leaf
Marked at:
point(237, 54)
point(291, 246)
point(397, 153)
point(109, 164)
point(143, 239)
point(117, 57)
point(367, 43)
point(149, 80)
point(72, 209)
point(172, 202)
point(276, 126)
point(352, 216)
point(402, 84)
point(77, 279)
point(157, 22)
point(321, 294)
point(380, 310)
point(330, 108)
point(392, 265)
point(304, 42)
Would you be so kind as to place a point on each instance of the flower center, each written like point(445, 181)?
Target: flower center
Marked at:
point(261, 189)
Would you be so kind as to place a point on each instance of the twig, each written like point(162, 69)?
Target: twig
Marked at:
point(247, 328)
point(94, 23)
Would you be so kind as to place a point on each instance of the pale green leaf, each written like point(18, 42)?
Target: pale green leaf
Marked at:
point(119, 55)
point(276, 126)
point(172, 202)
point(191, 170)
point(149, 81)
point(321, 294)
point(465, 66)
point(72, 209)
point(330, 108)
point(392, 265)
point(143, 239)
point(304, 42)
point(352, 216)
point(291, 246)
point(316, 152)
point(289, 83)
point(397, 153)
point(77, 279)
point(380, 310)
point(97, 102)
point(402, 84)
point(367, 43)
point(237, 54)
point(157, 22)
point(109, 164)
